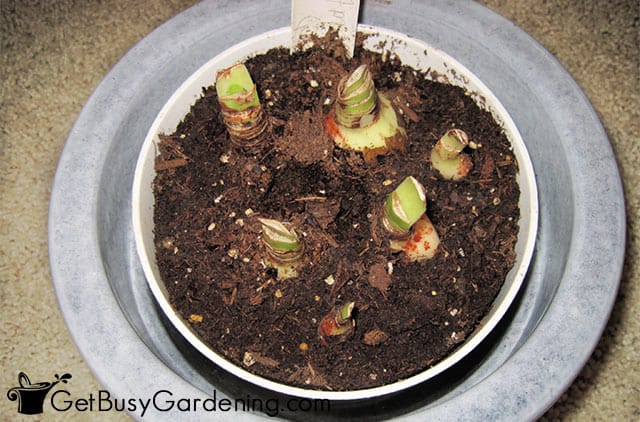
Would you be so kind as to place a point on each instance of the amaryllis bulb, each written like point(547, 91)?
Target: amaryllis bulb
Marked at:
point(447, 156)
point(363, 119)
point(240, 105)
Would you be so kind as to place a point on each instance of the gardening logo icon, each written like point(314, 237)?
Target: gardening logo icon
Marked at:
point(31, 396)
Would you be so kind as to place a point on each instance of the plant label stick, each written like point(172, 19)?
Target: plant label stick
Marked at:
point(318, 16)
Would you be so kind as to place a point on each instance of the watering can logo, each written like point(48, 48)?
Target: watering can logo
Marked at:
point(31, 396)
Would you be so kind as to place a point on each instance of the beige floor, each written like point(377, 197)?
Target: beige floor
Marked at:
point(55, 53)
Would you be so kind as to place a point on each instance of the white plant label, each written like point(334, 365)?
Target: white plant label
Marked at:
point(318, 16)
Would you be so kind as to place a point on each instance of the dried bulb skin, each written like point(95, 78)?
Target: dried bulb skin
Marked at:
point(357, 99)
point(283, 247)
point(278, 237)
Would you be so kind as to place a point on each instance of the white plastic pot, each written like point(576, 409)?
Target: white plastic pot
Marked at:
point(412, 52)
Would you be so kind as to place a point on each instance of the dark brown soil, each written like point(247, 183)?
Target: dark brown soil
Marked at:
point(208, 194)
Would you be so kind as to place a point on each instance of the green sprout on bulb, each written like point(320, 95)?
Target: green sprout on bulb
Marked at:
point(241, 108)
point(363, 119)
point(447, 156)
point(283, 246)
point(410, 230)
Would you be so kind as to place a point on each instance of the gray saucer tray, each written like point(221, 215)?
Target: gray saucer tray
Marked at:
point(517, 373)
